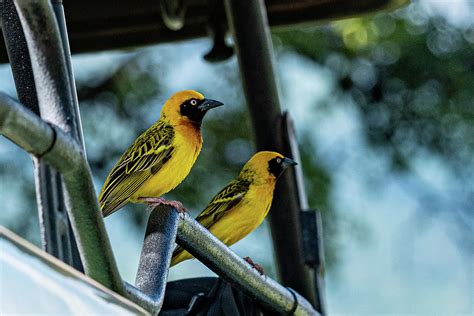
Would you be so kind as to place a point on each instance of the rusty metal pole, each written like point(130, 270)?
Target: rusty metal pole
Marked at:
point(249, 25)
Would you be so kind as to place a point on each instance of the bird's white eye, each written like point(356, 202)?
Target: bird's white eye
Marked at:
point(193, 102)
point(278, 160)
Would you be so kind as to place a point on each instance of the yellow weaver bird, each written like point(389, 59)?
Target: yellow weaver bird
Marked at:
point(241, 206)
point(161, 157)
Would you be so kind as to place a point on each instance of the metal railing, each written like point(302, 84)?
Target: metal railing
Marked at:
point(63, 153)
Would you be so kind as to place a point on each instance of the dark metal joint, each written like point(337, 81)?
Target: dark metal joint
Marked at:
point(53, 141)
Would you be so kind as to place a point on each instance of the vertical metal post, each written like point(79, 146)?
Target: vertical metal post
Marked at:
point(76, 117)
point(56, 234)
point(249, 25)
point(157, 251)
point(60, 18)
point(311, 224)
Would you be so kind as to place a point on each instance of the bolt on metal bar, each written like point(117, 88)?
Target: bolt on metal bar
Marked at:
point(249, 26)
point(218, 257)
point(56, 234)
point(64, 154)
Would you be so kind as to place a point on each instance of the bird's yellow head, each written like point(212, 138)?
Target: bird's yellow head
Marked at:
point(268, 165)
point(186, 107)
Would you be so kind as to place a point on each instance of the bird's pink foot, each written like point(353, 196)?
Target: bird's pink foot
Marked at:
point(256, 266)
point(152, 202)
point(177, 205)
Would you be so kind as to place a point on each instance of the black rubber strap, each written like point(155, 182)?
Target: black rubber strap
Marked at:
point(295, 303)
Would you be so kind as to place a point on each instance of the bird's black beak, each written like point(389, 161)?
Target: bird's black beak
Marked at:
point(209, 104)
point(287, 163)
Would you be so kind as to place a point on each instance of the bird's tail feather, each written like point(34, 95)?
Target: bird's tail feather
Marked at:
point(109, 208)
point(180, 255)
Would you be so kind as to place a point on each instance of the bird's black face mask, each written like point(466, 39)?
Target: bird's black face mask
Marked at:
point(277, 165)
point(195, 109)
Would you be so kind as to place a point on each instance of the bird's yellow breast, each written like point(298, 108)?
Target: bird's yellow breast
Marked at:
point(187, 144)
point(246, 216)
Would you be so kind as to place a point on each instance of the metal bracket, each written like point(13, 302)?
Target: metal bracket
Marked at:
point(311, 235)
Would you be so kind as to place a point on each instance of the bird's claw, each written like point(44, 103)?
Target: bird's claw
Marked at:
point(254, 265)
point(152, 202)
point(177, 205)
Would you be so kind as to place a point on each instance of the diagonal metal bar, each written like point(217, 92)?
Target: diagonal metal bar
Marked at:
point(64, 154)
point(220, 259)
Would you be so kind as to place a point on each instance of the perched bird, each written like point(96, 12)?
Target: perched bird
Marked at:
point(241, 206)
point(161, 157)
